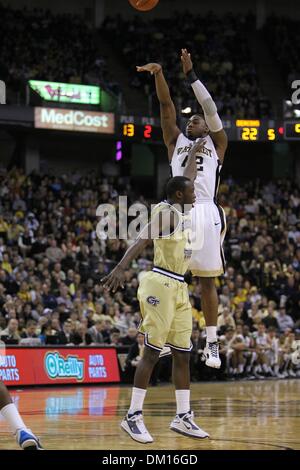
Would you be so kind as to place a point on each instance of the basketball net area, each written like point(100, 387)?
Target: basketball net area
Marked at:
point(2, 92)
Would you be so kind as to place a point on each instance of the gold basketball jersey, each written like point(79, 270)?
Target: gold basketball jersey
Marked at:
point(172, 251)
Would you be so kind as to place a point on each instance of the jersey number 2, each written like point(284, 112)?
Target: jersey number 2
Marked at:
point(199, 161)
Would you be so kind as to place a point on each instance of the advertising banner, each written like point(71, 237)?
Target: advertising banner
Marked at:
point(42, 366)
point(66, 92)
point(74, 120)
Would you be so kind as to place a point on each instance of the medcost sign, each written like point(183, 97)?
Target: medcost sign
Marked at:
point(74, 120)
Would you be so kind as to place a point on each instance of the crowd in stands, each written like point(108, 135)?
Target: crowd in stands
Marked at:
point(38, 44)
point(283, 36)
point(220, 52)
point(51, 263)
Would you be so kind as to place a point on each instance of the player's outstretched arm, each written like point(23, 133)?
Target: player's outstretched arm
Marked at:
point(116, 278)
point(167, 108)
point(205, 100)
point(152, 230)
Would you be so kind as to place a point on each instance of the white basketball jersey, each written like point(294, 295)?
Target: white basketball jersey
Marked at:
point(208, 167)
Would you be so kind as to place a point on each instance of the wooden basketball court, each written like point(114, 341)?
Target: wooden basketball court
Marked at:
point(238, 415)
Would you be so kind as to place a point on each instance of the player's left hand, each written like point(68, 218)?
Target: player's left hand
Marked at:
point(186, 60)
point(153, 68)
point(114, 280)
point(197, 147)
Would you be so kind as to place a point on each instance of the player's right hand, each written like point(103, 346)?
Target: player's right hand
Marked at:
point(114, 280)
point(152, 68)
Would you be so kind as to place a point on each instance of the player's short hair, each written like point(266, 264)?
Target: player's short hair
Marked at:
point(198, 115)
point(177, 183)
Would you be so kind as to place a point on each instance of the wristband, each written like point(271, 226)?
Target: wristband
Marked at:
point(191, 76)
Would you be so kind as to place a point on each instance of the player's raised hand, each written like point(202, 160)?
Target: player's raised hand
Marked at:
point(114, 280)
point(197, 147)
point(186, 61)
point(152, 68)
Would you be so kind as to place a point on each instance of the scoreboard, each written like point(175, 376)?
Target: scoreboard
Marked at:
point(148, 130)
point(255, 130)
point(292, 130)
point(142, 129)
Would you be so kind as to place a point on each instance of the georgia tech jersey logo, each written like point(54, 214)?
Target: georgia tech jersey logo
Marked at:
point(153, 300)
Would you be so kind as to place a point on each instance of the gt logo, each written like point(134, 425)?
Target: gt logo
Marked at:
point(152, 300)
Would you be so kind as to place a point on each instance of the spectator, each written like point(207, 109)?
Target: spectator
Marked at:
point(65, 336)
point(130, 338)
point(284, 321)
point(84, 338)
point(270, 320)
point(95, 332)
point(31, 330)
point(54, 253)
point(10, 334)
point(225, 320)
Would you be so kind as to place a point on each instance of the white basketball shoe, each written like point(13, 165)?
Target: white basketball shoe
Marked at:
point(211, 352)
point(134, 425)
point(185, 424)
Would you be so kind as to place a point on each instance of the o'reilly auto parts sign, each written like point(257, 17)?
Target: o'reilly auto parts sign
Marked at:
point(74, 120)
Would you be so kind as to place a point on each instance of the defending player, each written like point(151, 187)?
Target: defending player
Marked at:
point(165, 307)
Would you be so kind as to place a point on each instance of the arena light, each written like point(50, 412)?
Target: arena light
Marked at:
point(186, 110)
point(291, 110)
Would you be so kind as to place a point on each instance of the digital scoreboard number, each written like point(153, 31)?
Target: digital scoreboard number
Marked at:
point(254, 130)
point(292, 130)
point(146, 132)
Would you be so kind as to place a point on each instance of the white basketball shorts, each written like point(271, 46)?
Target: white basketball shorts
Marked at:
point(209, 220)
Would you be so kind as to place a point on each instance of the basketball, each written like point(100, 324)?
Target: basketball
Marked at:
point(143, 5)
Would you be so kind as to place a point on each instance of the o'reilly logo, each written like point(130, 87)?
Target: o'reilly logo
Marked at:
point(74, 120)
point(58, 367)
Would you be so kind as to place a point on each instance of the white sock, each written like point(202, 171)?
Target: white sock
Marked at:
point(12, 416)
point(211, 334)
point(137, 400)
point(182, 401)
point(241, 368)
